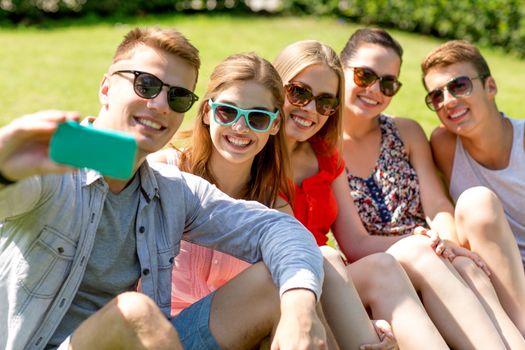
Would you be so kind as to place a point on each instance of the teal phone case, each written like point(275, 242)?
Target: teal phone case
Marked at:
point(111, 153)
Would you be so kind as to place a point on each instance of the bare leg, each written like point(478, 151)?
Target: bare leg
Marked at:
point(483, 228)
point(330, 337)
point(342, 307)
point(130, 321)
point(482, 286)
point(451, 304)
point(246, 309)
point(385, 288)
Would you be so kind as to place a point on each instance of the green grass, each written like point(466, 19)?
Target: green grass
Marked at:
point(61, 68)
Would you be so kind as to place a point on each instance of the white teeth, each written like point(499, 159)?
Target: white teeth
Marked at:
point(237, 141)
point(369, 101)
point(301, 121)
point(458, 114)
point(149, 123)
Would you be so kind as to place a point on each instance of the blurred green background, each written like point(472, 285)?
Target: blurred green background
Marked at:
point(60, 67)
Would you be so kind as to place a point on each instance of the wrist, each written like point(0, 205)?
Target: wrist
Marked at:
point(295, 299)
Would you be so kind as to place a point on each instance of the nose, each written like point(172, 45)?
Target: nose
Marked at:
point(160, 102)
point(448, 98)
point(310, 106)
point(375, 86)
point(240, 125)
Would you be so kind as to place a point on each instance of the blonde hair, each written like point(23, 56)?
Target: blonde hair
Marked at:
point(168, 40)
point(300, 55)
point(270, 167)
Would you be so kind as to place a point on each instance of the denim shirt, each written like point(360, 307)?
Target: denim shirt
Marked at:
point(48, 225)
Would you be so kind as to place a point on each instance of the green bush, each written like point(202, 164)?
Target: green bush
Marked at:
point(496, 22)
point(40, 11)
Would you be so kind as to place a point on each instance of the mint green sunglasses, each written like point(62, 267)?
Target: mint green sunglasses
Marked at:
point(258, 120)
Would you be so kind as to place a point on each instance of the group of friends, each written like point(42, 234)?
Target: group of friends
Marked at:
point(223, 243)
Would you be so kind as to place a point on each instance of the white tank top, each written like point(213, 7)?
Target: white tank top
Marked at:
point(508, 183)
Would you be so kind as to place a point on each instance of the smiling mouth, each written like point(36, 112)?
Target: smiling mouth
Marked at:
point(368, 100)
point(149, 123)
point(238, 141)
point(301, 121)
point(457, 115)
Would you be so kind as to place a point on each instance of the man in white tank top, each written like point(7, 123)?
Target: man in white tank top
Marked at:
point(477, 145)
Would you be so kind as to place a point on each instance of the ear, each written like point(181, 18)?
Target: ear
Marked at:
point(276, 125)
point(491, 87)
point(206, 114)
point(103, 91)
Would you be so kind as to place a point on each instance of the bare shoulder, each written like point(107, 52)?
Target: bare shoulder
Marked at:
point(443, 146)
point(411, 133)
point(164, 156)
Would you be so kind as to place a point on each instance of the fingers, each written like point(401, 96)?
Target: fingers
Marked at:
point(386, 335)
point(460, 251)
point(382, 328)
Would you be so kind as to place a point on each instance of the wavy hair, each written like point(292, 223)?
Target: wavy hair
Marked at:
point(270, 167)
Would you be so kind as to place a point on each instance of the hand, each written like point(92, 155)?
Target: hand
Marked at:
point(450, 250)
point(24, 144)
point(299, 327)
point(386, 336)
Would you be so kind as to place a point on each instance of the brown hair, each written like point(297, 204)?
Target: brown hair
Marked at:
point(456, 51)
point(294, 58)
point(270, 167)
point(376, 36)
point(166, 39)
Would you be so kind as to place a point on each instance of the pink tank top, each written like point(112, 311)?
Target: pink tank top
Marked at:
point(198, 270)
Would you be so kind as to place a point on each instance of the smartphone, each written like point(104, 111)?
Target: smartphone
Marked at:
point(111, 153)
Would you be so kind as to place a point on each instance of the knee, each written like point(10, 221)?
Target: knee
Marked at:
point(258, 282)
point(334, 267)
point(133, 308)
point(384, 269)
point(414, 253)
point(478, 206)
point(385, 274)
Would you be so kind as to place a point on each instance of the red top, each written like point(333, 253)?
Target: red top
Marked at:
point(314, 203)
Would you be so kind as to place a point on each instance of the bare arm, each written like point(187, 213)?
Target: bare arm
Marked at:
point(348, 230)
point(437, 207)
point(443, 145)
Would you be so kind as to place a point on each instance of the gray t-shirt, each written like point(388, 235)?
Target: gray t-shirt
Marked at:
point(113, 267)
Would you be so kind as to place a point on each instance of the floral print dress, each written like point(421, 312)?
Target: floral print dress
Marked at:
point(388, 201)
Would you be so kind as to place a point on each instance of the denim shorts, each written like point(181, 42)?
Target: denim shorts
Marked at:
point(193, 326)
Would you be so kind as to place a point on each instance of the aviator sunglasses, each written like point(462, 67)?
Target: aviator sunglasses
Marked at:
point(258, 120)
point(365, 77)
point(300, 95)
point(457, 87)
point(148, 86)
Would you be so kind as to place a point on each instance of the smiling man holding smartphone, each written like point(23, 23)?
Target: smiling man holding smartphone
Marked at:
point(75, 244)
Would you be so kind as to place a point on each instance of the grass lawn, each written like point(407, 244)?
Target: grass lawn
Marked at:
point(61, 68)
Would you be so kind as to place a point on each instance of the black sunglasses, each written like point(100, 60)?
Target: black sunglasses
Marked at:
point(300, 95)
point(148, 86)
point(365, 77)
point(457, 87)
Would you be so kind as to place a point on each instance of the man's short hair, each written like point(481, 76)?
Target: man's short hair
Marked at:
point(456, 51)
point(168, 40)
